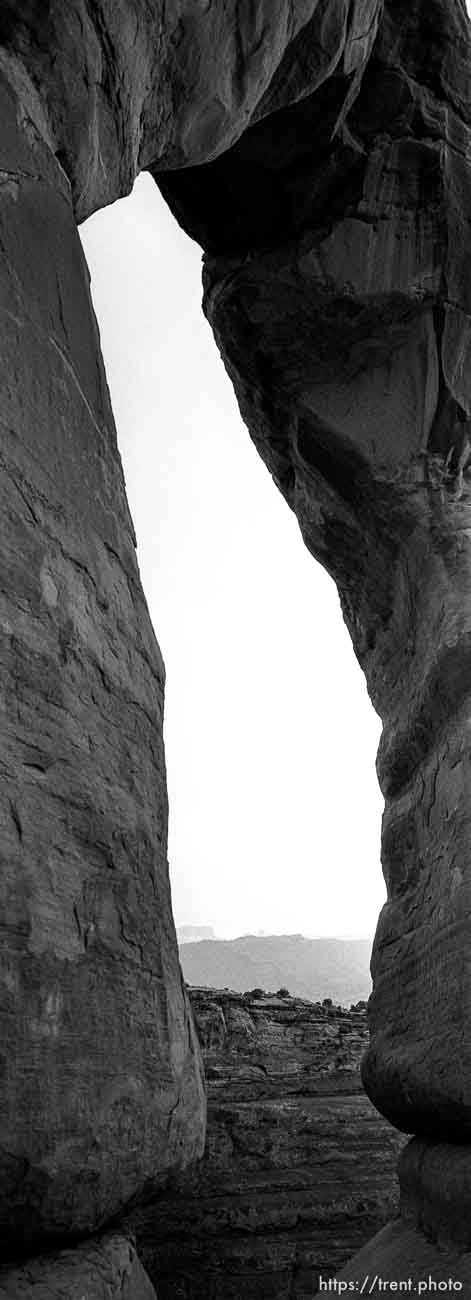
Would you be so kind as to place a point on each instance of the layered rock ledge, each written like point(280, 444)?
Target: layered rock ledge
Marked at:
point(299, 1169)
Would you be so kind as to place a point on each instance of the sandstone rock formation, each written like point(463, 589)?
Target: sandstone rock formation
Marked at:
point(106, 1269)
point(125, 84)
point(101, 1091)
point(340, 296)
point(321, 154)
point(299, 1169)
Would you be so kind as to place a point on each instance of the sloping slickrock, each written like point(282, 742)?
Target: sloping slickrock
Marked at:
point(299, 1169)
point(106, 1269)
point(398, 1253)
point(100, 1076)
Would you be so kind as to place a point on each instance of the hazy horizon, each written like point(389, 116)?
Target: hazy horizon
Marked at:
point(265, 934)
point(270, 737)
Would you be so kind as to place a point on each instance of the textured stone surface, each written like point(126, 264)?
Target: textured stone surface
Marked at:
point(106, 1269)
point(100, 1087)
point(127, 82)
point(337, 281)
point(299, 1168)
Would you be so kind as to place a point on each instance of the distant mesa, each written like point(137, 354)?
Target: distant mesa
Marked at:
point(194, 933)
point(314, 969)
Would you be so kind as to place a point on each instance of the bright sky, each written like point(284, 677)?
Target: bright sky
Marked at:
point(270, 736)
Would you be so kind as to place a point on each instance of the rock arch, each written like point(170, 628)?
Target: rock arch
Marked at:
point(320, 153)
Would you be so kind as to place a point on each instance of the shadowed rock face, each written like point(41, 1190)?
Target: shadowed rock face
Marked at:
point(127, 83)
point(337, 283)
point(320, 153)
point(100, 1081)
point(299, 1169)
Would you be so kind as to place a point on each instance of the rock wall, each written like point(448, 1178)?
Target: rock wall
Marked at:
point(299, 1169)
point(125, 84)
point(100, 1080)
point(340, 298)
point(338, 286)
